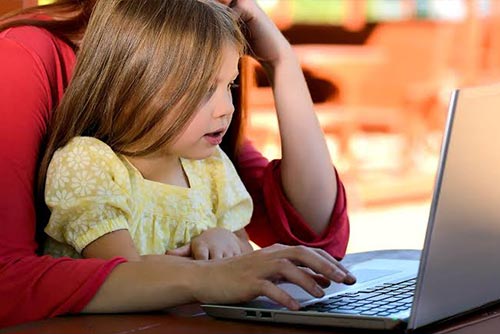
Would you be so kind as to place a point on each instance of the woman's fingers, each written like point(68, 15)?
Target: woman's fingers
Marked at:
point(320, 279)
point(281, 266)
point(273, 292)
point(289, 272)
point(320, 262)
point(331, 258)
point(245, 277)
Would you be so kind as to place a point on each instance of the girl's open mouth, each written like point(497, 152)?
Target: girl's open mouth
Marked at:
point(215, 138)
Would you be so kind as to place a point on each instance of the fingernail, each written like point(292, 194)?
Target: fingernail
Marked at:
point(350, 278)
point(318, 292)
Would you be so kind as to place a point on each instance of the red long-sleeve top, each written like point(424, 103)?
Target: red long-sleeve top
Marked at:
point(35, 68)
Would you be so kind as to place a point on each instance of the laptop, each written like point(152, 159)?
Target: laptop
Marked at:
point(459, 267)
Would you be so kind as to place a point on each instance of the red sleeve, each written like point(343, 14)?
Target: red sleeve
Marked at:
point(275, 219)
point(33, 74)
point(24, 102)
point(39, 287)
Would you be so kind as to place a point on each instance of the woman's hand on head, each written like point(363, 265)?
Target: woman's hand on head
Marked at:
point(267, 43)
point(215, 243)
point(243, 278)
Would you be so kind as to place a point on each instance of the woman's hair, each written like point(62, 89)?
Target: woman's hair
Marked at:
point(66, 19)
point(143, 70)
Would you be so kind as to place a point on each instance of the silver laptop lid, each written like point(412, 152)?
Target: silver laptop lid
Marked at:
point(460, 266)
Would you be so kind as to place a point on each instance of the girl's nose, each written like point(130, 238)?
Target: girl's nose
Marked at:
point(224, 106)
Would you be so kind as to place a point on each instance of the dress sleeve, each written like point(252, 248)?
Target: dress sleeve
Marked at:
point(275, 220)
point(87, 192)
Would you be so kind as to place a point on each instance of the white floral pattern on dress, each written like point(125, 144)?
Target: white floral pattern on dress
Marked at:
point(78, 158)
point(83, 183)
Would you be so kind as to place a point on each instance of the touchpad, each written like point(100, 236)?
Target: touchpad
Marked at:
point(366, 275)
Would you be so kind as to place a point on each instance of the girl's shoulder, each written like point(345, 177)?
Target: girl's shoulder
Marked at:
point(88, 145)
point(89, 157)
point(88, 152)
point(89, 162)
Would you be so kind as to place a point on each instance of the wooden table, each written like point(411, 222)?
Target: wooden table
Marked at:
point(191, 319)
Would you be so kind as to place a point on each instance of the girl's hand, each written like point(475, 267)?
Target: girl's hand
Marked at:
point(261, 270)
point(215, 243)
point(267, 43)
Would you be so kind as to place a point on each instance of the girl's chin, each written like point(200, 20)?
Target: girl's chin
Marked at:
point(200, 155)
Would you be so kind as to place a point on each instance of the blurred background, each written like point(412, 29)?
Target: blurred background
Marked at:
point(380, 73)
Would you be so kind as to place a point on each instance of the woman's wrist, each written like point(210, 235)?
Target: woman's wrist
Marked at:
point(199, 277)
point(145, 286)
point(285, 61)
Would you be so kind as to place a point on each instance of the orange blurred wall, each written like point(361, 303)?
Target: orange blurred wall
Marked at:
point(7, 6)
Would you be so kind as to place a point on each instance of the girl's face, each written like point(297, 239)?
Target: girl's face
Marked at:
point(211, 120)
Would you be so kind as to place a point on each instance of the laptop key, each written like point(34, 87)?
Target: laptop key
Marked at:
point(377, 298)
point(370, 312)
point(384, 313)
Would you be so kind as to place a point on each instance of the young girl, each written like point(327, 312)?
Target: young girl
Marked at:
point(135, 168)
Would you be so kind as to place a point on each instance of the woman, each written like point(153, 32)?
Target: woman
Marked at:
point(292, 206)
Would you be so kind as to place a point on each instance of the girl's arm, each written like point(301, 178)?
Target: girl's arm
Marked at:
point(307, 174)
point(215, 243)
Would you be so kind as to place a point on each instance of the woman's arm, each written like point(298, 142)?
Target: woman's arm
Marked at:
point(307, 175)
point(172, 280)
point(35, 288)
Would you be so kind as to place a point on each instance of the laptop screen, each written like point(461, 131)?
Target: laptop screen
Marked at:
point(460, 267)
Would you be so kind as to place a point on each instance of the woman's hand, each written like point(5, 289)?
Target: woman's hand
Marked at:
point(215, 243)
point(267, 43)
point(256, 274)
point(173, 280)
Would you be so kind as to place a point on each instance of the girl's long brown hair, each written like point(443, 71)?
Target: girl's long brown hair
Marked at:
point(68, 19)
point(143, 69)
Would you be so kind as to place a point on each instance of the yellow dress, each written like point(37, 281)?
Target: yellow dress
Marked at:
point(92, 191)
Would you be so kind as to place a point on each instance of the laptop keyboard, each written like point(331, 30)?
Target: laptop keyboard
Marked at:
point(380, 300)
